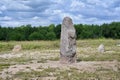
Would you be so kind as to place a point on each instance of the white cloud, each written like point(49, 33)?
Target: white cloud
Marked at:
point(77, 4)
point(57, 12)
point(94, 1)
point(10, 23)
point(18, 6)
point(35, 18)
point(6, 18)
point(117, 9)
point(3, 8)
point(13, 5)
point(98, 3)
point(59, 1)
point(0, 12)
point(42, 12)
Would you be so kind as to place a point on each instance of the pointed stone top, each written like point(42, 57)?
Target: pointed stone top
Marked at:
point(67, 19)
point(67, 22)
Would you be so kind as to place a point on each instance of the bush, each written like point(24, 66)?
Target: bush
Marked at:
point(50, 36)
point(36, 36)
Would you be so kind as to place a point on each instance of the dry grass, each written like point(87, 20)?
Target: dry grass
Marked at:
point(36, 57)
point(29, 45)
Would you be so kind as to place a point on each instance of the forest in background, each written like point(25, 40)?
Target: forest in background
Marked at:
point(52, 32)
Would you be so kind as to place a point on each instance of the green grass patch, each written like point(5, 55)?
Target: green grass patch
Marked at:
point(3, 66)
point(32, 74)
point(29, 45)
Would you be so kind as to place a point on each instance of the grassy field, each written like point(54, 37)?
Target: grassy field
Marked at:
point(92, 64)
point(29, 45)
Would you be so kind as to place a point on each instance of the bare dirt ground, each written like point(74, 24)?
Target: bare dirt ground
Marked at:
point(36, 65)
point(82, 66)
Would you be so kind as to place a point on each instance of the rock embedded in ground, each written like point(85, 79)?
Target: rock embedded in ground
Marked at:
point(101, 48)
point(68, 42)
point(118, 45)
point(17, 48)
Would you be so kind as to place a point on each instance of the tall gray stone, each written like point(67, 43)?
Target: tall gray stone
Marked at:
point(68, 42)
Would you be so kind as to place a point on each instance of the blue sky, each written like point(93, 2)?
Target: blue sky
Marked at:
point(45, 12)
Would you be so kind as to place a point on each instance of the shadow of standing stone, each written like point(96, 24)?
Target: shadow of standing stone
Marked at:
point(68, 42)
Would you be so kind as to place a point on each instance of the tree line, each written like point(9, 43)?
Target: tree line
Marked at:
point(52, 32)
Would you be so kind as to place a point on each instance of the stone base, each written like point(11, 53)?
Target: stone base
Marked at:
point(67, 60)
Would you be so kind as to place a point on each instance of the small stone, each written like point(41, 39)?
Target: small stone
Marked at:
point(68, 42)
point(17, 48)
point(118, 45)
point(101, 48)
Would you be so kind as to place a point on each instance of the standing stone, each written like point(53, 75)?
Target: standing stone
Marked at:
point(17, 48)
point(101, 48)
point(68, 42)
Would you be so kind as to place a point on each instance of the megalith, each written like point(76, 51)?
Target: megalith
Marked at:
point(17, 48)
point(67, 42)
point(101, 48)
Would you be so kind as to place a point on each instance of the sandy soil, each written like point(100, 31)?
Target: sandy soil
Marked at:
point(82, 66)
point(89, 66)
